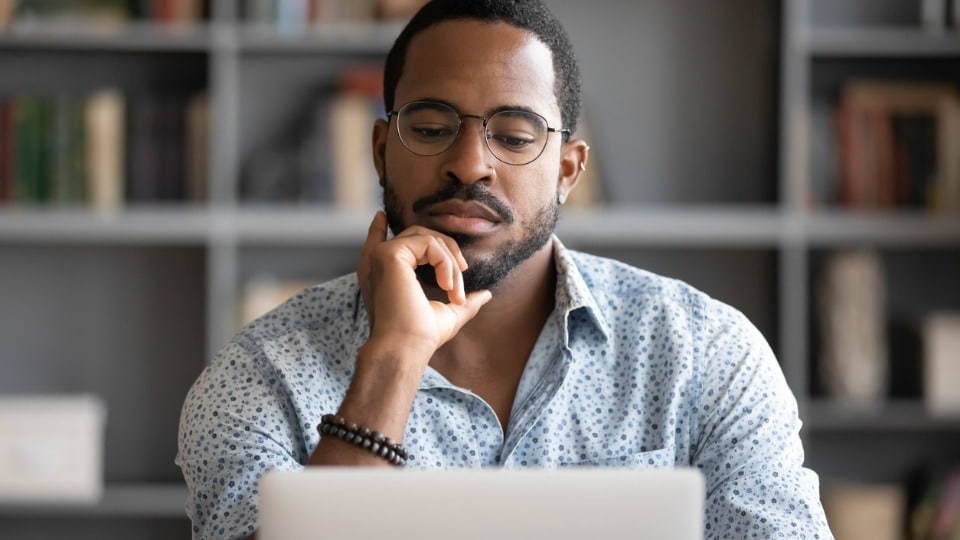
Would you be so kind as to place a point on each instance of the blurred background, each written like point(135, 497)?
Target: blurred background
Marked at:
point(171, 169)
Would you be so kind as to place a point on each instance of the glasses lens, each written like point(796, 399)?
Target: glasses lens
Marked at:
point(516, 137)
point(427, 128)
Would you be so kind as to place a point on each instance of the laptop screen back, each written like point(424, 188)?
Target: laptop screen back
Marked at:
point(474, 504)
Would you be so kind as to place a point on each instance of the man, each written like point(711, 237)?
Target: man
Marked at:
point(472, 337)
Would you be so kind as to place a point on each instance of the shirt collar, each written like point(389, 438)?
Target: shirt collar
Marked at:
point(574, 295)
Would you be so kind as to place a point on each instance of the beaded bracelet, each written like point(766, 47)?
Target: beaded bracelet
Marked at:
point(363, 437)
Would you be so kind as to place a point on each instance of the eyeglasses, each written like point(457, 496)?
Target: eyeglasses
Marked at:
point(428, 128)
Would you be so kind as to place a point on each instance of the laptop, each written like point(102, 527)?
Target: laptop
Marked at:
point(474, 504)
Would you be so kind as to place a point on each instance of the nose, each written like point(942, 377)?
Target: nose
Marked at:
point(469, 160)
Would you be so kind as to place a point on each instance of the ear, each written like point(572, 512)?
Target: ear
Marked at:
point(573, 161)
point(381, 129)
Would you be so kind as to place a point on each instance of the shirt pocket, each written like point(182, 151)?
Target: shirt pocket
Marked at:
point(655, 459)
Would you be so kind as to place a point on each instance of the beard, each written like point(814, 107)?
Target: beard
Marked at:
point(482, 273)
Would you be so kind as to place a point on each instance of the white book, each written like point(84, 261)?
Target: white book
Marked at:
point(941, 364)
point(355, 183)
point(104, 126)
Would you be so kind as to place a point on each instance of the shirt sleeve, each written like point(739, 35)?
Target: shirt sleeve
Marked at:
point(235, 425)
point(749, 447)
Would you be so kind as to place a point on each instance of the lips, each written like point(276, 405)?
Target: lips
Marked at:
point(459, 217)
point(463, 209)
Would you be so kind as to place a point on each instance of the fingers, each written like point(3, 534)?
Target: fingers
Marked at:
point(426, 246)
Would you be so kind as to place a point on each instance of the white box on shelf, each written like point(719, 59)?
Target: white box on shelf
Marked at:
point(51, 449)
point(941, 363)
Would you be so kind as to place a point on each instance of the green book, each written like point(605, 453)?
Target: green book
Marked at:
point(65, 150)
point(29, 170)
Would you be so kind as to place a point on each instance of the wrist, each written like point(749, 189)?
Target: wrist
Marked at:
point(384, 384)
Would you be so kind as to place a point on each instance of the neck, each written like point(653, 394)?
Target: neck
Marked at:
point(490, 352)
point(508, 326)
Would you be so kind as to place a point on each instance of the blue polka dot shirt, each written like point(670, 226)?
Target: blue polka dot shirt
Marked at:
point(632, 369)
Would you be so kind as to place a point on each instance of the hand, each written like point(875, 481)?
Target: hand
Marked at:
point(400, 312)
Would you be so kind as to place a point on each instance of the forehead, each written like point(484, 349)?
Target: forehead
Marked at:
point(479, 66)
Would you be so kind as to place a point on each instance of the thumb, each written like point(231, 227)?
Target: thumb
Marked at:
point(471, 306)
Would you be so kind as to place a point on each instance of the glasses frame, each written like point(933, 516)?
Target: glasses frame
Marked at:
point(484, 119)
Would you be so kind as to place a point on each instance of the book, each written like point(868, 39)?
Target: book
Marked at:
point(106, 13)
point(353, 110)
point(292, 16)
point(851, 309)
point(104, 119)
point(65, 142)
point(941, 341)
point(30, 122)
point(197, 151)
point(857, 511)
point(899, 145)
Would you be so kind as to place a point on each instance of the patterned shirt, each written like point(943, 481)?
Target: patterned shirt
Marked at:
point(631, 370)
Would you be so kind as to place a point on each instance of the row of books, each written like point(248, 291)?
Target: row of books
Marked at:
point(888, 144)
point(103, 11)
point(325, 156)
point(103, 149)
point(295, 16)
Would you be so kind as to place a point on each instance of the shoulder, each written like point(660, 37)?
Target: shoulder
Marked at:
point(617, 285)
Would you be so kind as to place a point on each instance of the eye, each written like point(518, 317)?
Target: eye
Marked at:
point(515, 142)
point(429, 133)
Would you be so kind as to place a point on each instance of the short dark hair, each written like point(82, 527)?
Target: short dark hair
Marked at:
point(530, 15)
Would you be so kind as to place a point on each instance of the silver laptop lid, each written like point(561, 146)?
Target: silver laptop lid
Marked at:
point(474, 504)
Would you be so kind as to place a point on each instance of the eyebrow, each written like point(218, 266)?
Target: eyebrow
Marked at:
point(489, 113)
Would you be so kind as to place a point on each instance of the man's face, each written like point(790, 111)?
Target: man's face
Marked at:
point(499, 214)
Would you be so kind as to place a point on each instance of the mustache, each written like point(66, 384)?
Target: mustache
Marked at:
point(467, 192)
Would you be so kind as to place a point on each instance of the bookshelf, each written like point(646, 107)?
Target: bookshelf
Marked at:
point(130, 303)
point(825, 46)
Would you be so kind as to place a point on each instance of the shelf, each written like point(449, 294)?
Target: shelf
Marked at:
point(130, 37)
point(722, 226)
point(148, 225)
point(122, 500)
point(881, 42)
point(906, 229)
point(339, 38)
point(751, 226)
point(727, 226)
point(823, 415)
